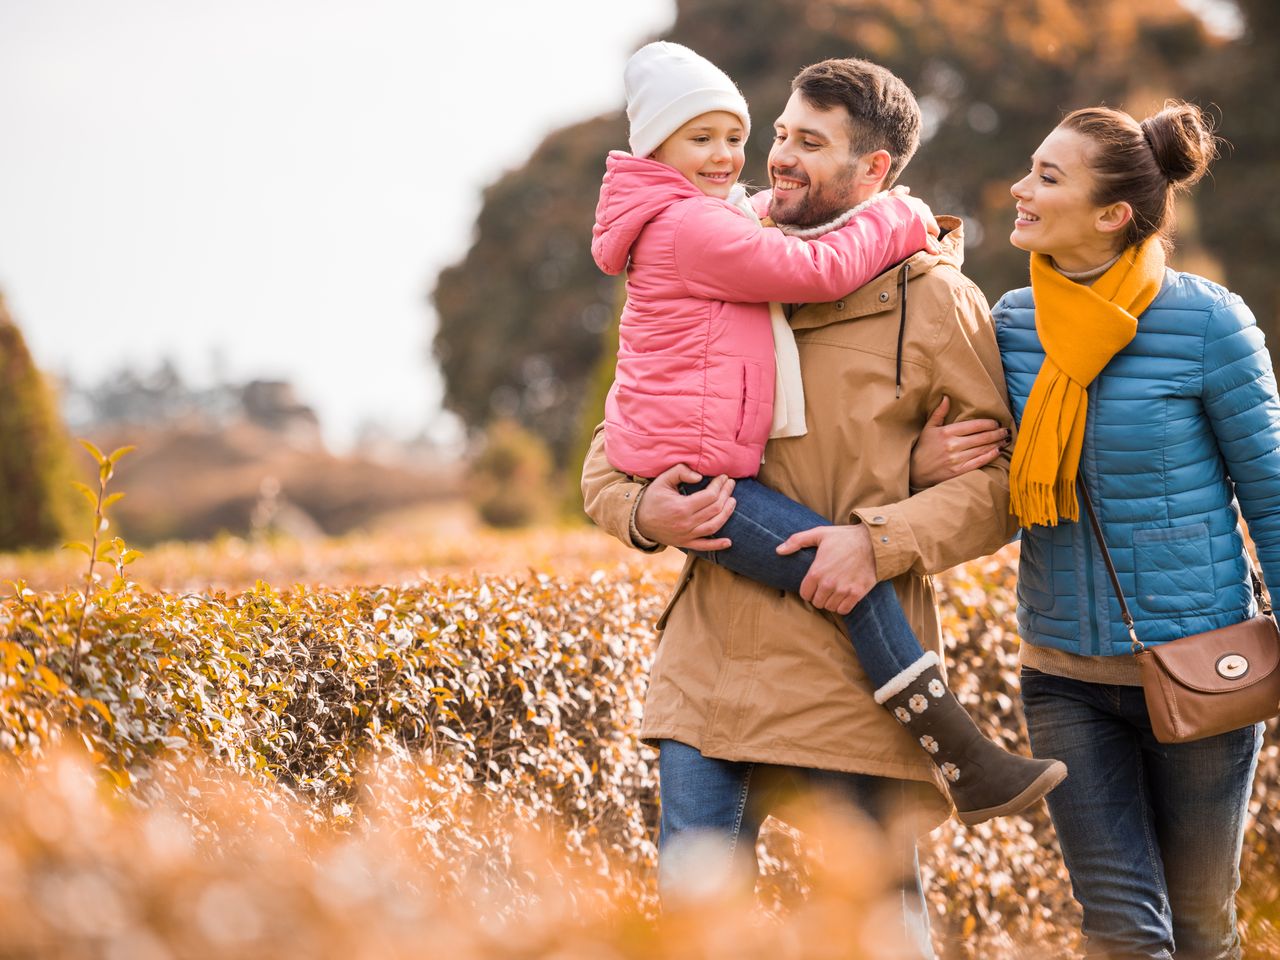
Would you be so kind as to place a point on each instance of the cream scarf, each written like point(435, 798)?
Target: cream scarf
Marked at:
point(788, 387)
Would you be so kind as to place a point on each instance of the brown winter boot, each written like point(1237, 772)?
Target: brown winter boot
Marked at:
point(985, 780)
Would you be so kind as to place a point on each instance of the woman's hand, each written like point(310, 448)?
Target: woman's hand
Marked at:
point(947, 450)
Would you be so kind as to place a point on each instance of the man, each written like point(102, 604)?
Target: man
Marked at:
point(750, 687)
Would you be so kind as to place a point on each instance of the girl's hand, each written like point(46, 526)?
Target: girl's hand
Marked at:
point(922, 211)
point(947, 450)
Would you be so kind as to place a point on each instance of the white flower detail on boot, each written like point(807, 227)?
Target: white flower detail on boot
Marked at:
point(903, 714)
point(951, 772)
point(936, 688)
point(929, 743)
point(918, 703)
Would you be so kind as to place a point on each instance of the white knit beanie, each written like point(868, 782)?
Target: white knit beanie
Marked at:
point(667, 86)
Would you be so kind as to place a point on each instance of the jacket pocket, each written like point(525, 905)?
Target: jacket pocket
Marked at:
point(749, 404)
point(1035, 573)
point(1173, 568)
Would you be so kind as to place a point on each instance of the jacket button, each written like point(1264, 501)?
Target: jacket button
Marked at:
point(878, 520)
point(884, 296)
point(884, 539)
point(839, 304)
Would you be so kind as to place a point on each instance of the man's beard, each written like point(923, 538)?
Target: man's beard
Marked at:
point(820, 205)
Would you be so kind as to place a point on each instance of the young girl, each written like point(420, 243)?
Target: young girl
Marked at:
point(696, 381)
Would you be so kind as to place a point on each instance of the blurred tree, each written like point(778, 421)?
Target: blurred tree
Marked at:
point(525, 315)
point(38, 505)
point(509, 477)
point(1239, 206)
point(591, 410)
point(521, 317)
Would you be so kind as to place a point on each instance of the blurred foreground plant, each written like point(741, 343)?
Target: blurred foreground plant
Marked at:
point(82, 876)
point(114, 551)
point(440, 715)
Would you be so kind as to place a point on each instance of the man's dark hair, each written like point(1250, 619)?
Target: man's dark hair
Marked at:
point(883, 113)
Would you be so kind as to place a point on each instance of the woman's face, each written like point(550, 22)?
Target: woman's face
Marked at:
point(1056, 215)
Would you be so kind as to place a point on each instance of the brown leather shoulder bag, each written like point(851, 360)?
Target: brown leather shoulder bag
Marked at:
point(1207, 683)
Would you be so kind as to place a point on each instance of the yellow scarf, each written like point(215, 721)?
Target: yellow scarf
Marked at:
point(1080, 328)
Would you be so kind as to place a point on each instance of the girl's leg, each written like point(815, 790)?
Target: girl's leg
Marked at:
point(985, 780)
point(763, 519)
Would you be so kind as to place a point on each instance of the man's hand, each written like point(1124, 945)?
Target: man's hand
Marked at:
point(668, 516)
point(843, 572)
point(947, 450)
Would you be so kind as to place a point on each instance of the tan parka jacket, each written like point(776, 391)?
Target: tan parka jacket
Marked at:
point(744, 672)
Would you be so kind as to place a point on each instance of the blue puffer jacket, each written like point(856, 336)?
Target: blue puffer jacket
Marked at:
point(1182, 423)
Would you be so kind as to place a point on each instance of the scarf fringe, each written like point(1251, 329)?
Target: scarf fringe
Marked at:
point(1045, 504)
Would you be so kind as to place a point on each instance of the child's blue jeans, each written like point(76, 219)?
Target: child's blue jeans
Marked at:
point(763, 519)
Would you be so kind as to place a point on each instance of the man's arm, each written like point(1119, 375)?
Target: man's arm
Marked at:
point(653, 515)
point(956, 520)
point(967, 516)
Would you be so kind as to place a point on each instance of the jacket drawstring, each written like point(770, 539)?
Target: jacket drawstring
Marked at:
point(902, 329)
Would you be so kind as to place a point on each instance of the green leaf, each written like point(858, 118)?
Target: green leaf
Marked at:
point(93, 451)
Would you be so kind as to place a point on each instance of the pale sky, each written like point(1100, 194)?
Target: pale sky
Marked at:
point(275, 182)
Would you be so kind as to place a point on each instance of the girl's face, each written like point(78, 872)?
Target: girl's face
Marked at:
point(1056, 215)
point(707, 151)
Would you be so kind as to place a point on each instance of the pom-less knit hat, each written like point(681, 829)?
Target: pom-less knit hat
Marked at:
point(667, 86)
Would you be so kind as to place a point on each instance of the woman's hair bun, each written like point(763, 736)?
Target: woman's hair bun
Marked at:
point(1182, 140)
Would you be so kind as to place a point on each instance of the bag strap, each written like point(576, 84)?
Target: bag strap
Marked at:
point(1135, 644)
point(1261, 597)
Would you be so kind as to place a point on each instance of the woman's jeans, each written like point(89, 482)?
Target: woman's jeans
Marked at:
point(1150, 832)
point(763, 519)
point(712, 811)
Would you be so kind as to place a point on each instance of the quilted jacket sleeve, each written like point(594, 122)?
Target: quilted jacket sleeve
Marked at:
point(722, 255)
point(1239, 397)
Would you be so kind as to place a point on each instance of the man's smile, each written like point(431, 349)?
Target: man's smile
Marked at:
point(783, 183)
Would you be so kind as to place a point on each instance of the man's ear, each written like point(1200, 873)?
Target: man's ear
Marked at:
point(874, 167)
point(1113, 217)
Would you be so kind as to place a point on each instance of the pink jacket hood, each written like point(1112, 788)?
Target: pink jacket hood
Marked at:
point(634, 191)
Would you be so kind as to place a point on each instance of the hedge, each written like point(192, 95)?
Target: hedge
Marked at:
point(459, 722)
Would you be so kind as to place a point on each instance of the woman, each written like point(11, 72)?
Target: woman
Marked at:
point(1156, 390)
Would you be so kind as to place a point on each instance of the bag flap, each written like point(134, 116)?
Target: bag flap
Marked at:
point(1194, 661)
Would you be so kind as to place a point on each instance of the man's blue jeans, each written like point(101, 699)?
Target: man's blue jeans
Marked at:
point(1150, 832)
point(763, 519)
point(720, 805)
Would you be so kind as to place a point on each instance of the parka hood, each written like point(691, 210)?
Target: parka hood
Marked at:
point(633, 192)
point(884, 292)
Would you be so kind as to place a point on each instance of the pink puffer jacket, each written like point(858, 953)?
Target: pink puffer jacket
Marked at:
point(694, 382)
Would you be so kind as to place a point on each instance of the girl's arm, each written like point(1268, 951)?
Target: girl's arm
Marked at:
point(722, 255)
